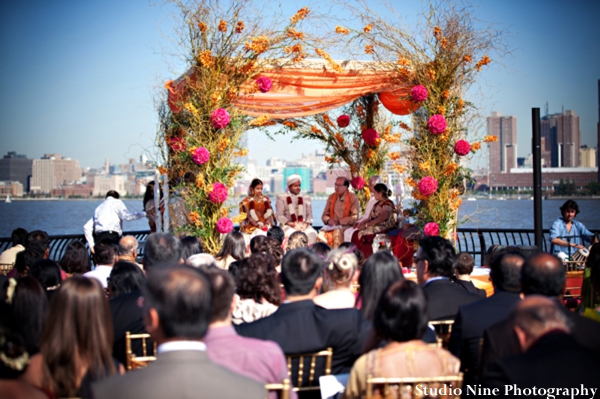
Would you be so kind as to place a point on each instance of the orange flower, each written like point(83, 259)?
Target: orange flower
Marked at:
point(391, 138)
point(404, 126)
point(223, 145)
point(168, 84)
point(460, 104)
point(296, 48)
point(339, 138)
point(299, 57)
point(202, 27)
point(290, 124)
point(294, 34)
point(450, 169)
point(328, 120)
point(260, 121)
point(394, 156)
point(403, 61)
point(483, 61)
point(162, 170)
point(431, 74)
point(475, 146)
point(222, 26)
point(424, 165)
point(258, 44)
point(194, 218)
point(316, 130)
point(199, 180)
point(300, 15)
point(241, 153)
point(490, 139)
point(370, 154)
point(368, 28)
point(189, 107)
point(205, 59)
point(369, 49)
point(329, 60)
point(215, 98)
point(341, 30)
point(468, 58)
point(411, 182)
point(398, 168)
point(445, 94)
point(454, 193)
point(456, 204)
point(444, 42)
point(437, 32)
point(441, 110)
point(239, 27)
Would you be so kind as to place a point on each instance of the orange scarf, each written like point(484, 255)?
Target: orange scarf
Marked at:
point(346, 206)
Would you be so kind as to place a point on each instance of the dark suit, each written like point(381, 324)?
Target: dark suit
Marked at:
point(444, 298)
point(469, 325)
point(302, 326)
point(126, 316)
point(470, 287)
point(179, 374)
point(555, 360)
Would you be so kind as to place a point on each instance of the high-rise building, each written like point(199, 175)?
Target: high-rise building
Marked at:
point(15, 167)
point(305, 175)
point(502, 153)
point(587, 157)
point(562, 139)
point(52, 171)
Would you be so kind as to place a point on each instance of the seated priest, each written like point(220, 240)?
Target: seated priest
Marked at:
point(340, 213)
point(294, 211)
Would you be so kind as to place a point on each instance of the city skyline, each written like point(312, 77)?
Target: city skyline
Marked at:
point(80, 79)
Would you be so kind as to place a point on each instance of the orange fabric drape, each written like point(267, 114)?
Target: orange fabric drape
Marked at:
point(298, 92)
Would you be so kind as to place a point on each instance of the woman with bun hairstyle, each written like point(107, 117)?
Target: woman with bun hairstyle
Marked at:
point(381, 220)
point(341, 266)
point(259, 213)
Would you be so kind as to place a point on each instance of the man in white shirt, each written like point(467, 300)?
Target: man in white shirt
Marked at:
point(372, 182)
point(105, 256)
point(294, 210)
point(107, 222)
point(18, 238)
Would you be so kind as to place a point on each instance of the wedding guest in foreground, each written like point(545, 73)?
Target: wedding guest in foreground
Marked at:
point(162, 249)
point(340, 270)
point(177, 311)
point(340, 213)
point(259, 213)
point(294, 211)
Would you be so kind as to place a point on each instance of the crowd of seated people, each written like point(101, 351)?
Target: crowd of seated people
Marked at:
point(226, 331)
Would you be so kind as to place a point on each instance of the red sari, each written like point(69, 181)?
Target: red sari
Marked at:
point(363, 239)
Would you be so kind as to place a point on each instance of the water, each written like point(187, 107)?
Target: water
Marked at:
point(69, 216)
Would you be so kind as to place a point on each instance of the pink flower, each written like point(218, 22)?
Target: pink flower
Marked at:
point(462, 147)
point(224, 225)
point(431, 229)
point(220, 118)
point(177, 144)
point(264, 84)
point(437, 124)
point(343, 120)
point(357, 183)
point(200, 156)
point(370, 137)
point(218, 194)
point(428, 185)
point(419, 93)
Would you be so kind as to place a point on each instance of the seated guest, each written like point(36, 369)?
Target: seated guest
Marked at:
point(259, 213)
point(258, 244)
point(277, 233)
point(124, 279)
point(76, 345)
point(24, 261)
point(462, 273)
point(435, 261)
point(234, 248)
point(339, 273)
point(472, 319)
point(340, 213)
point(348, 246)
point(161, 249)
point(105, 256)
point(39, 241)
point(297, 240)
point(321, 249)
point(199, 260)
point(381, 220)
point(294, 211)
point(258, 294)
point(300, 326)
point(551, 356)
point(177, 311)
point(128, 249)
point(274, 249)
point(401, 320)
point(47, 273)
point(190, 245)
point(373, 180)
point(18, 237)
point(262, 361)
point(76, 260)
point(591, 284)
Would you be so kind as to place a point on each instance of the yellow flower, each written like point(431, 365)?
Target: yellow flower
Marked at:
point(241, 153)
point(223, 145)
point(258, 44)
point(394, 156)
point(341, 30)
point(411, 182)
point(441, 110)
point(168, 84)
point(475, 146)
point(294, 34)
point(398, 168)
point(368, 28)
point(202, 27)
point(300, 15)
point(490, 139)
point(239, 218)
point(223, 212)
point(392, 138)
point(199, 180)
point(403, 61)
point(239, 27)
point(367, 192)
point(456, 204)
point(222, 26)
point(190, 108)
point(460, 104)
point(335, 66)
point(370, 154)
point(290, 124)
point(260, 121)
point(450, 169)
point(215, 98)
point(377, 141)
point(205, 59)
point(424, 165)
point(194, 218)
point(431, 74)
point(369, 49)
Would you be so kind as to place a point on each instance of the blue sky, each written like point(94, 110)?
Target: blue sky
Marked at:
point(80, 77)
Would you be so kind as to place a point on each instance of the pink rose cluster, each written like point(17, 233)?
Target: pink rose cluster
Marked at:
point(264, 84)
point(462, 147)
point(218, 195)
point(357, 183)
point(431, 229)
point(343, 120)
point(370, 137)
point(200, 156)
point(177, 144)
point(224, 225)
point(220, 118)
point(419, 93)
point(437, 124)
point(428, 185)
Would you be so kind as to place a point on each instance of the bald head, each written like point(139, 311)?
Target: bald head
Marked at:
point(128, 246)
point(543, 274)
point(535, 316)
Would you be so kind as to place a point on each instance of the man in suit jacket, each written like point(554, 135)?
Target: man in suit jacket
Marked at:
point(462, 274)
point(300, 326)
point(126, 316)
point(177, 308)
point(552, 357)
point(435, 261)
point(542, 274)
point(474, 318)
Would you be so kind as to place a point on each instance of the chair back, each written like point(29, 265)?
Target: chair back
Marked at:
point(443, 329)
point(5, 268)
point(297, 365)
point(131, 359)
point(282, 389)
point(445, 387)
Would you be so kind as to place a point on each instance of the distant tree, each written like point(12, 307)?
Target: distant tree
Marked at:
point(593, 188)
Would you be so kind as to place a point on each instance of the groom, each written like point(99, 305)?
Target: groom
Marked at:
point(294, 211)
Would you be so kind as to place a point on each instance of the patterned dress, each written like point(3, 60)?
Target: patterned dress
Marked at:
point(363, 239)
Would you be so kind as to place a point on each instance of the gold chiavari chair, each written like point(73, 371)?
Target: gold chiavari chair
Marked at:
point(302, 384)
point(131, 359)
point(443, 329)
point(445, 387)
point(282, 389)
point(5, 268)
